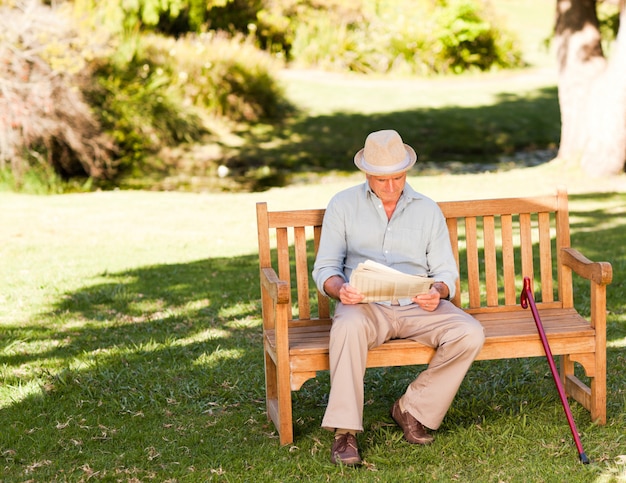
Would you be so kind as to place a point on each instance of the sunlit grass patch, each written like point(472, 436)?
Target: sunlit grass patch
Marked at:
point(16, 393)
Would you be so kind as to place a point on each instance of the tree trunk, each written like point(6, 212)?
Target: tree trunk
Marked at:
point(592, 91)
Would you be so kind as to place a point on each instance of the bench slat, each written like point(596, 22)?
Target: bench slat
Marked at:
point(535, 204)
point(545, 257)
point(280, 219)
point(508, 260)
point(323, 303)
point(491, 274)
point(526, 242)
point(302, 272)
point(473, 272)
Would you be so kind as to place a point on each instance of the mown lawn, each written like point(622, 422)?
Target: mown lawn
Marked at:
point(131, 350)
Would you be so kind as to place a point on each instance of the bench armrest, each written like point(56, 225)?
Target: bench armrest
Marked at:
point(276, 307)
point(598, 272)
point(277, 289)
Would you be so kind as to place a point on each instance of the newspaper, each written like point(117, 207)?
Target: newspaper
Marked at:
point(381, 283)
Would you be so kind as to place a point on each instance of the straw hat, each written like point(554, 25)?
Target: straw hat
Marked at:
point(385, 154)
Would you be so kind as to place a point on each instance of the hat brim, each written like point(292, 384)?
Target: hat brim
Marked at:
point(405, 165)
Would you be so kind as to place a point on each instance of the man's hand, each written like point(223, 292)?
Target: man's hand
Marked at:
point(341, 290)
point(430, 301)
point(350, 295)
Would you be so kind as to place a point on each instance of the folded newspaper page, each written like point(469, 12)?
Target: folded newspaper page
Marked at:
point(380, 283)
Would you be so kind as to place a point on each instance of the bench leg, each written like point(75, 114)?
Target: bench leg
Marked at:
point(592, 397)
point(278, 399)
point(598, 399)
point(598, 388)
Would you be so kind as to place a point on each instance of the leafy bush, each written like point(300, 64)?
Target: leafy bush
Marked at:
point(405, 37)
point(227, 77)
point(78, 104)
point(158, 91)
point(171, 16)
point(43, 115)
point(470, 40)
point(400, 36)
point(137, 107)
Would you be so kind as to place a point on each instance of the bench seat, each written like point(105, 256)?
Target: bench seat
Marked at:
point(567, 332)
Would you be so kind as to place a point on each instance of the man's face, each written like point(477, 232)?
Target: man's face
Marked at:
point(387, 188)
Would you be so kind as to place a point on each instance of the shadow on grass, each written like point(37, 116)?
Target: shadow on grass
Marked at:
point(467, 134)
point(166, 329)
point(149, 304)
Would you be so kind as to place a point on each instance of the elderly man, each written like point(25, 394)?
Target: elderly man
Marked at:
point(386, 221)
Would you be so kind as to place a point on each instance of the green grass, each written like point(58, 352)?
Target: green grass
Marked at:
point(130, 350)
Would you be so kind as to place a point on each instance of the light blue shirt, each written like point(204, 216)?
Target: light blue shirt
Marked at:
point(355, 229)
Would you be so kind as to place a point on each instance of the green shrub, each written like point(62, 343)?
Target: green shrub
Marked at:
point(399, 36)
point(137, 106)
point(225, 77)
point(171, 16)
point(404, 37)
point(158, 92)
point(469, 39)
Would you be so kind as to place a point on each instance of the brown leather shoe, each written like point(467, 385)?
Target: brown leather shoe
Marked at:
point(414, 431)
point(345, 451)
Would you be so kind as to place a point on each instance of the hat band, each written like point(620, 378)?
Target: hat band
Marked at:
point(393, 168)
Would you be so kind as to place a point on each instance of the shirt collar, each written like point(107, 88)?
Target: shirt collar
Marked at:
point(409, 193)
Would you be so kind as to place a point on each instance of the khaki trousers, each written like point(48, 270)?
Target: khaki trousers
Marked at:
point(457, 337)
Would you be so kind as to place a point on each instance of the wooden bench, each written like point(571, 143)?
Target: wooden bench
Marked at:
point(497, 243)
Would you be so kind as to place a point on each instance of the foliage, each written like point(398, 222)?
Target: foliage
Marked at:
point(133, 97)
point(470, 39)
point(608, 20)
point(79, 104)
point(171, 16)
point(158, 91)
point(43, 116)
point(404, 37)
point(400, 36)
point(228, 77)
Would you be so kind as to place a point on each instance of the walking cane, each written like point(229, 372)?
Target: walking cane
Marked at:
point(527, 299)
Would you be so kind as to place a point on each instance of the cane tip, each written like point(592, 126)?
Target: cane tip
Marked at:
point(584, 459)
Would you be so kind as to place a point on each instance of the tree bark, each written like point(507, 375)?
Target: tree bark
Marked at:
point(592, 91)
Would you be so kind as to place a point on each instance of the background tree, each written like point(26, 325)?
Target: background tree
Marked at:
point(592, 89)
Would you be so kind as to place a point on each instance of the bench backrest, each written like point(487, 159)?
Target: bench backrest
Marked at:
point(496, 243)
